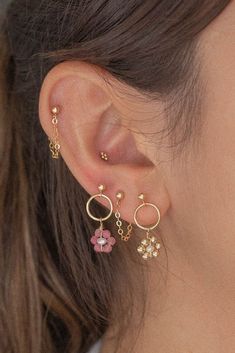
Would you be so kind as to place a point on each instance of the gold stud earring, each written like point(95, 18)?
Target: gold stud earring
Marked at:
point(149, 247)
point(54, 141)
point(104, 156)
point(102, 239)
point(125, 237)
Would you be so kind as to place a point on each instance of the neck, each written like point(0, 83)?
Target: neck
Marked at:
point(185, 313)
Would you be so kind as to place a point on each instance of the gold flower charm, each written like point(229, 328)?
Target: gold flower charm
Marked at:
point(149, 248)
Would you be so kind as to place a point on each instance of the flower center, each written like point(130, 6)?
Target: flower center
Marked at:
point(149, 248)
point(101, 241)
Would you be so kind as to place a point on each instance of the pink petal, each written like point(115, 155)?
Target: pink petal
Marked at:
point(106, 233)
point(97, 233)
point(107, 248)
point(93, 240)
point(111, 241)
point(98, 248)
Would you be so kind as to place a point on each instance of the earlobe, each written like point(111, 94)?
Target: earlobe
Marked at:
point(95, 144)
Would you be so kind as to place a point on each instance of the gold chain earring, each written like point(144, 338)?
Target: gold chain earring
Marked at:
point(149, 247)
point(125, 237)
point(54, 142)
point(102, 239)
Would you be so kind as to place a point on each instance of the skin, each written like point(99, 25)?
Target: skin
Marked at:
point(191, 302)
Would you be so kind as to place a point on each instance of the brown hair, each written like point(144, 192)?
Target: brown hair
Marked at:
point(56, 295)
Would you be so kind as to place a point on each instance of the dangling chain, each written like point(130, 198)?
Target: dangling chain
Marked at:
point(124, 237)
point(54, 142)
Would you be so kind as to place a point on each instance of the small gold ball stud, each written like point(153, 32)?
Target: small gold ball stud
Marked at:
point(101, 187)
point(55, 110)
point(120, 195)
point(141, 197)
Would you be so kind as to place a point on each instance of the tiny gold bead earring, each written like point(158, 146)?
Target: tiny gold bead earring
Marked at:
point(104, 156)
point(54, 141)
point(102, 239)
point(125, 237)
point(149, 247)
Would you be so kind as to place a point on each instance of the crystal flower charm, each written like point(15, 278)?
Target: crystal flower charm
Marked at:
point(149, 247)
point(103, 241)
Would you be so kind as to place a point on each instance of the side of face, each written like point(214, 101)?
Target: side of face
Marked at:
point(201, 223)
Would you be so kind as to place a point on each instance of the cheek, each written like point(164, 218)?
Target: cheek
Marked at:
point(212, 179)
point(201, 222)
point(216, 157)
point(215, 163)
point(203, 189)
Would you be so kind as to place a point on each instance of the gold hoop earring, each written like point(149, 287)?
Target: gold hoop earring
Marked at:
point(125, 237)
point(149, 247)
point(54, 141)
point(102, 239)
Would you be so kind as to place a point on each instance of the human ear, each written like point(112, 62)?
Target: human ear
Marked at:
point(93, 119)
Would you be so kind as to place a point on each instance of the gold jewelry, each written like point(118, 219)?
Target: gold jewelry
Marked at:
point(54, 142)
point(102, 239)
point(149, 247)
point(104, 156)
point(125, 237)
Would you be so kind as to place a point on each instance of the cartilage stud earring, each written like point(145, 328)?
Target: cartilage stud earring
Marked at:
point(104, 156)
point(102, 240)
point(149, 247)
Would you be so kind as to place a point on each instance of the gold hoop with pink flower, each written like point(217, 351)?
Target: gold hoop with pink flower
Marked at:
point(102, 240)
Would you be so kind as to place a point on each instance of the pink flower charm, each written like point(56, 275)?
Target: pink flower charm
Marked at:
point(103, 241)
